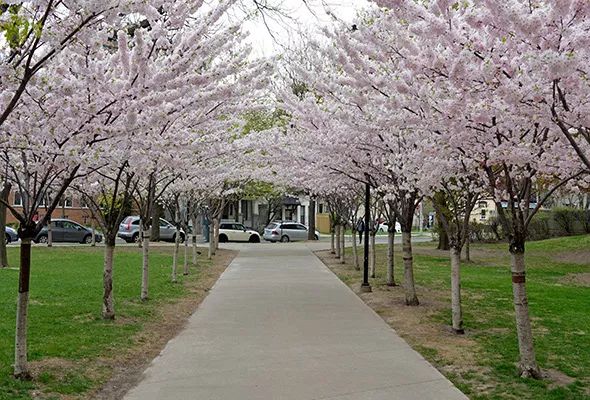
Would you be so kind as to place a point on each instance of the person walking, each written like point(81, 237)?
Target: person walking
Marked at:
point(360, 228)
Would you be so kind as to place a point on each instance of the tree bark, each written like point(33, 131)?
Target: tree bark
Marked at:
point(216, 233)
point(21, 366)
point(332, 234)
point(355, 253)
point(467, 250)
point(145, 270)
point(311, 217)
point(443, 238)
point(527, 365)
point(195, 241)
point(343, 246)
point(93, 242)
point(409, 285)
point(4, 194)
point(338, 242)
point(390, 256)
point(175, 256)
point(49, 233)
point(155, 230)
point(211, 241)
point(186, 267)
point(456, 312)
point(108, 304)
point(372, 254)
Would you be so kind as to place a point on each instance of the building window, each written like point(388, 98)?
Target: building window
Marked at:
point(67, 202)
point(483, 204)
point(18, 200)
point(483, 214)
point(321, 208)
point(303, 215)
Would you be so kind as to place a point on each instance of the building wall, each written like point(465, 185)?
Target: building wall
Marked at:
point(73, 209)
point(483, 211)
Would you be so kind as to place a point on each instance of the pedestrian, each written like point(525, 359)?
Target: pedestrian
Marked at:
point(360, 228)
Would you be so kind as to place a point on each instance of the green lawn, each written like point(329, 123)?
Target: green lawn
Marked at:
point(65, 306)
point(559, 306)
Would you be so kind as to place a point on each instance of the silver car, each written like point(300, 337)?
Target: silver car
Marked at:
point(129, 230)
point(286, 231)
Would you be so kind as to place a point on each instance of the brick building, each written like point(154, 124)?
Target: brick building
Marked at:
point(72, 208)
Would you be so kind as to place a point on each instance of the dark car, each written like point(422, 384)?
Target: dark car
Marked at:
point(65, 230)
point(10, 234)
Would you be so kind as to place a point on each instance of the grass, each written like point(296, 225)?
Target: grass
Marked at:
point(483, 362)
point(65, 326)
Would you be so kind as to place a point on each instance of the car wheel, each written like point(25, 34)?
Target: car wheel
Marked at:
point(42, 239)
point(87, 239)
point(135, 238)
point(254, 239)
point(7, 239)
point(285, 239)
point(181, 238)
point(222, 239)
point(315, 237)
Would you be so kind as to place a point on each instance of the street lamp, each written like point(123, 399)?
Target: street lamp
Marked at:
point(366, 287)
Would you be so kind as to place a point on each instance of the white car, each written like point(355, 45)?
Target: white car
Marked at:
point(383, 227)
point(236, 232)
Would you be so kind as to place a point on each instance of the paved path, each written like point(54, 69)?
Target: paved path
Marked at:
point(279, 325)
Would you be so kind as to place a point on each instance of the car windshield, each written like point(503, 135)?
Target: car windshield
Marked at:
point(271, 226)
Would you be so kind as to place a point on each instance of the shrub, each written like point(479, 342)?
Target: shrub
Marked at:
point(565, 219)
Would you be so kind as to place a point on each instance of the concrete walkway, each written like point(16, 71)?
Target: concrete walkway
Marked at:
point(280, 325)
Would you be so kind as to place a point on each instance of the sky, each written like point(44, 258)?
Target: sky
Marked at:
point(300, 18)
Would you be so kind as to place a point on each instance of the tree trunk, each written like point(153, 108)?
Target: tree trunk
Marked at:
point(527, 365)
point(332, 234)
point(211, 242)
point(4, 194)
point(175, 256)
point(409, 286)
point(457, 315)
point(186, 268)
point(443, 238)
point(216, 233)
point(343, 246)
point(108, 305)
point(93, 242)
point(372, 255)
point(140, 241)
point(337, 239)
point(195, 241)
point(49, 233)
point(311, 218)
point(355, 253)
point(467, 250)
point(145, 266)
point(21, 366)
point(155, 230)
point(390, 256)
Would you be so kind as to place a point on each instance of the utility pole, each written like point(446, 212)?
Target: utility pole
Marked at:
point(366, 287)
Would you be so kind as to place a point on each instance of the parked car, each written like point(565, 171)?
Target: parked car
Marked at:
point(287, 231)
point(129, 230)
point(65, 230)
point(383, 227)
point(11, 234)
point(235, 232)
